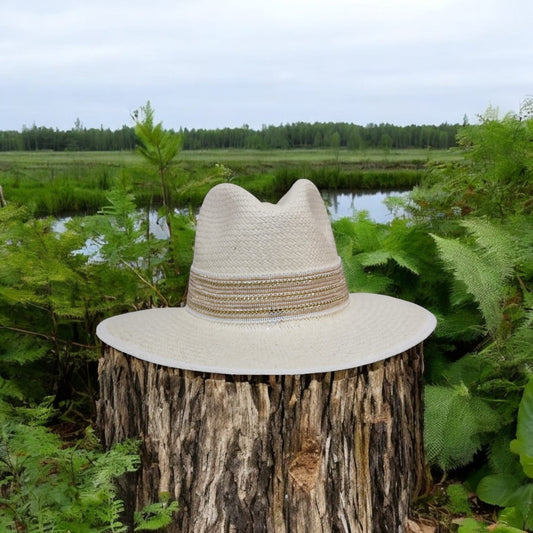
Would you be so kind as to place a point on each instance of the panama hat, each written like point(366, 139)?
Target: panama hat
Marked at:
point(267, 295)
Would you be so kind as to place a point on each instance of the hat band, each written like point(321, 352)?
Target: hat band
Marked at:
point(269, 297)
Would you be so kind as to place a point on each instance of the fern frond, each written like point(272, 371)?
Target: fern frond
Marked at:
point(460, 324)
point(9, 389)
point(20, 349)
point(122, 457)
point(497, 245)
point(501, 459)
point(456, 425)
point(480, 278)
point(375, 258)
point(520, 344)
point(405, 260)
point(471, 370)
point(155, 516)
point(359, 280)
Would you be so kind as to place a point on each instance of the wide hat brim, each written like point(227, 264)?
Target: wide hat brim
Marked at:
point(369, 328)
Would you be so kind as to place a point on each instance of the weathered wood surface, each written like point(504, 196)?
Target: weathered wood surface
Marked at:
point(331, 452)
point(3, 202)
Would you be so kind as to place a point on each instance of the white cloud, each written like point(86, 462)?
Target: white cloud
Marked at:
point(225, 62)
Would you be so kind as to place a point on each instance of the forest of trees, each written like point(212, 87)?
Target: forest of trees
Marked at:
point(297, 135)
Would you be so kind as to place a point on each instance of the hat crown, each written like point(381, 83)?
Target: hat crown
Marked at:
point(237, 235)
point(257, 261)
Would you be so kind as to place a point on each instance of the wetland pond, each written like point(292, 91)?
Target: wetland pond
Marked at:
point(345, 203)
point(338, 202)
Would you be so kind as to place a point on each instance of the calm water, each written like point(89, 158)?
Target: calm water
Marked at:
point(339, 203)
point(346, 203)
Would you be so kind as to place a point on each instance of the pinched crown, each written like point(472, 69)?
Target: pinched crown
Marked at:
point(255, 260)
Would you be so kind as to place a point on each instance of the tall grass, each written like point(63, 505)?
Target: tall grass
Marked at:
point(336, 178)
point(51, 183)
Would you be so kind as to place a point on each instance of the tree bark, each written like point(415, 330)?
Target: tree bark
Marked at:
point(3, 202)
point(333, 452)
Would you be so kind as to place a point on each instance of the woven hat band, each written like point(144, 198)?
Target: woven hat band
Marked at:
point(274, 298)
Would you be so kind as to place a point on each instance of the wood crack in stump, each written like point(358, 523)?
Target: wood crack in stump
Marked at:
point(305, 466)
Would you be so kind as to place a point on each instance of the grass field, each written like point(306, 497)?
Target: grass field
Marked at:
point(47, 158)
point(54, 183)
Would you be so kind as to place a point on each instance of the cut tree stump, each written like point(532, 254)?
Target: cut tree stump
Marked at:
point(332, 452)
point(3, 202)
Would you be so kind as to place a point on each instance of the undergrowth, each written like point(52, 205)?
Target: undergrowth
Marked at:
point(462, 250)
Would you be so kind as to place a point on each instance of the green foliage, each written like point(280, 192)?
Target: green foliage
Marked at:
point(458, 499)
point(336, 177)
point(54, 288)
point(515, 491)
point(457, 425)
point(481, 225)
point(494, 181)
point(47, 486)
point(159, 148)
point(155, 516)
point(523, 444)
point(483, 266)
point(52, 183)
point(354, 237)
point(45, 307)
point(299, 135)
point(385, 258)
point(471, 525)
point(464, 252)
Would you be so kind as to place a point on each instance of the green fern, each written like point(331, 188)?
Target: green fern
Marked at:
point(157, 515)
point(380, 258)
point(354, 238)
point(521, 341)
point(499, 246)
point(10, 389)
point(456, 425)
point(484, 266)
point(500, 458)
point(458, 324)
point(47, 486)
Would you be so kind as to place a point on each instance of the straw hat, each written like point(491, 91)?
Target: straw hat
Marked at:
point(267, 295)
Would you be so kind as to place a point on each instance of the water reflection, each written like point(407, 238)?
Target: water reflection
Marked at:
point(345, 203)
point(339, 203)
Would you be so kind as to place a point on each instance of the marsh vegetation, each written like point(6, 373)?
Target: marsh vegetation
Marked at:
point(462, 250)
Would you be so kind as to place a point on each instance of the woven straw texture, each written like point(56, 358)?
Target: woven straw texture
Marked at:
point(267, 296)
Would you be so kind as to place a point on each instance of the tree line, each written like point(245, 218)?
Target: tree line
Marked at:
point(302, 135)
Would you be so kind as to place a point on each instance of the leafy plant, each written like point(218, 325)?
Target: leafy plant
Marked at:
point(493, 180)
point(515, 492)
point(45, 306)
point(484, 267)
point(457, 425)
point(458, 499)
point(385, 258)
point(46, 485)
point(159, 148)
point(471, 525)
point(155, 516)
point(488, 263)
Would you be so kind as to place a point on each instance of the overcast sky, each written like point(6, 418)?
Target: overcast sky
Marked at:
point(218, 63)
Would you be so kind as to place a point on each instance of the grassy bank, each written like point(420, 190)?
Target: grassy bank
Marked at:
point(54, 183)
point(39, 158)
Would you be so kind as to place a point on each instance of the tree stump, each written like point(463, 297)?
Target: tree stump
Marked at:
point(330, 452)
point(3, 202)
